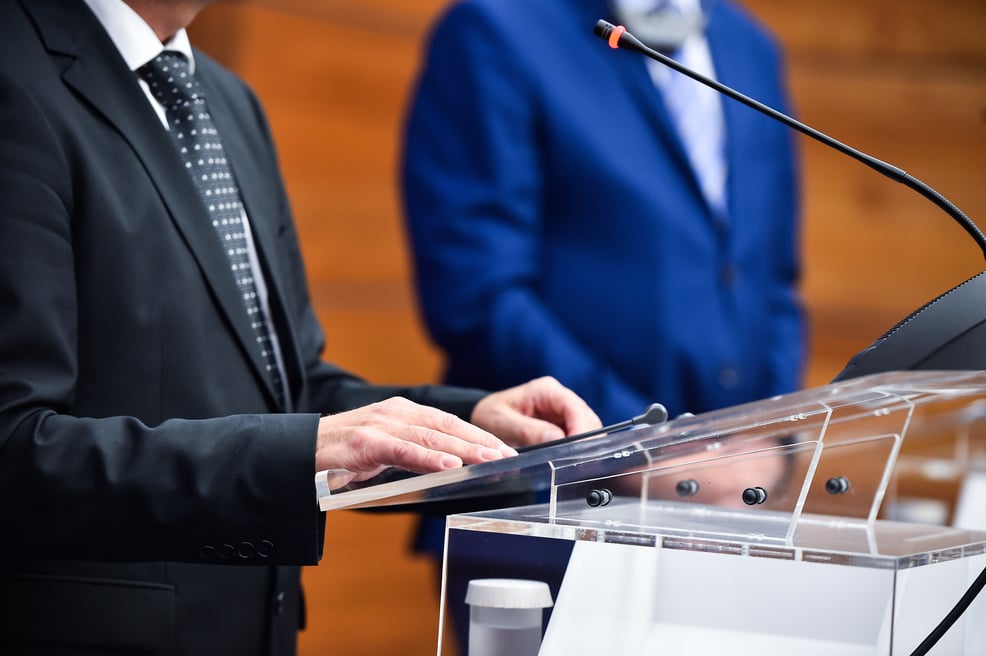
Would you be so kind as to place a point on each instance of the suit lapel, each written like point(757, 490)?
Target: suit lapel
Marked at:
point(726, 58)
point(631, 70)
point(636, 77)
point(260, 198)
point(255, 189)
point(98, 74)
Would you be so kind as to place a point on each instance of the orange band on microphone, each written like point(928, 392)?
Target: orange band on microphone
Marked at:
point(614, 36)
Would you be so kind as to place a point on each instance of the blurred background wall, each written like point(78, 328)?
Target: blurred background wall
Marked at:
point(902, 80)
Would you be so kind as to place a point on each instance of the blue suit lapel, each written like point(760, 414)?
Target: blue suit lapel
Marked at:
point(638, 79)
point(731, 70)
point(632, 71)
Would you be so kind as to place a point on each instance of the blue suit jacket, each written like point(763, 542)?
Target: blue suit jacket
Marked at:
point(558, 229)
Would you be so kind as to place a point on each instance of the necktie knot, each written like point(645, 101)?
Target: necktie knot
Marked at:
point(171, 82)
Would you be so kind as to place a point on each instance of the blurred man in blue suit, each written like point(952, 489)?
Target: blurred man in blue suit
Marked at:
point(592, 215)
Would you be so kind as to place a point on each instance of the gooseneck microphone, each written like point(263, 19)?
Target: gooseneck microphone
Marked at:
point(618, 37)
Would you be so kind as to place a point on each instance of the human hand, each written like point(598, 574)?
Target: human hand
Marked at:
point(537, 411)
point(399, 433)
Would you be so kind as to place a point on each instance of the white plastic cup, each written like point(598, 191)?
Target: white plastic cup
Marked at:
point(505, 616)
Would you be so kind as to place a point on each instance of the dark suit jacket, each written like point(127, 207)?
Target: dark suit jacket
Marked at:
point(559, 229)
point(139, 461)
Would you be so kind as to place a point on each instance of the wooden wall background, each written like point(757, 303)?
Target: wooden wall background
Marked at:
point(902, 80)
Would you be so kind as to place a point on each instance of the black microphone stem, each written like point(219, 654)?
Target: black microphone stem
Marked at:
point(618, 37)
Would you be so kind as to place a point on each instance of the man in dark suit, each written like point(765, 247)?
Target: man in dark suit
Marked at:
point(163, 405)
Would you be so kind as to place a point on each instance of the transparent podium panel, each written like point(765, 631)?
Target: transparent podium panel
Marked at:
point(716, 583)
point(866, 448)
point(845, 519)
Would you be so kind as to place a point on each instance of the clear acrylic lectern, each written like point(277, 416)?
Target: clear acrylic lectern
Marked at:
point(767, 528)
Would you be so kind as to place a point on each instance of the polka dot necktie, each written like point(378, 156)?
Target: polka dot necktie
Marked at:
point(173, 85)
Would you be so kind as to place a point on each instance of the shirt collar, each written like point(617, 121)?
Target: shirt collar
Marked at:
point(133, 37)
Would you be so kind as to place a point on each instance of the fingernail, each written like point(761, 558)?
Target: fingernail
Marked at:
point(508, 451)
point(490, 454)
point(451, 462)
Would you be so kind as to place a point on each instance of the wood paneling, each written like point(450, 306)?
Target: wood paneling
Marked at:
point(902, 80)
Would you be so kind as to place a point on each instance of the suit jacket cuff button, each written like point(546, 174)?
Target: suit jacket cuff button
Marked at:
point(246, 550)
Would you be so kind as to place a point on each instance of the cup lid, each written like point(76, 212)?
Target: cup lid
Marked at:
point(508, 593)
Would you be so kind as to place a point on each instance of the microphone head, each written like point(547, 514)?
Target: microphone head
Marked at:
point(617, 36)
point(603, 29)
point(654, 414)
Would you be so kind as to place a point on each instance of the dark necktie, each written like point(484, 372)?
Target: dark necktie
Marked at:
point(173, 85)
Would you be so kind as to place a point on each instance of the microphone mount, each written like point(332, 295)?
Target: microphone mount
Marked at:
point(618, 37)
